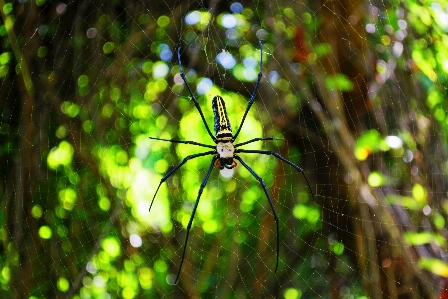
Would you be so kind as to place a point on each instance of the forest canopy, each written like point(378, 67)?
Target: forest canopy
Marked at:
point(352, 92)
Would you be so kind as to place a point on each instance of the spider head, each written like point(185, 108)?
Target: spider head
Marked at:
point(225, 151)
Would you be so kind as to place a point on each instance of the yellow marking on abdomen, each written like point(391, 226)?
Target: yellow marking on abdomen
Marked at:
point(223, 128)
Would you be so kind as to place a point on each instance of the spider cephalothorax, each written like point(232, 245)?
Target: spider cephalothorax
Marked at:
point(224, 152)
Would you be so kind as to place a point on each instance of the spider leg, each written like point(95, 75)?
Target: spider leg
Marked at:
point(204, 182)
point(256, 139)
point(252, 98)
point(259, 179)
point(176, 168)
point(182, 141)
point(192, 95)
point(277, 155)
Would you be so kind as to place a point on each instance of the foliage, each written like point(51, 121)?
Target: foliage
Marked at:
point(83, 85)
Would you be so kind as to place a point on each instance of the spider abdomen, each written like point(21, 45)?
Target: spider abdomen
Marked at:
point(223, 129)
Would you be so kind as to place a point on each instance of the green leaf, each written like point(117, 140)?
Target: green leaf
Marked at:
point(7, 8)
point(108, 47)
point(45, 232)
point(376, 179)
point(111, 246)
point(339, 82)
point(4, 58)
point(405, 201)
point(322, 49)
point(367, 143)
point(419, 193)
point(435, 266)
point(413, 238)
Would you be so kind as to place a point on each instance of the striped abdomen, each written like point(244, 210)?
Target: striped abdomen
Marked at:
point(223, 129)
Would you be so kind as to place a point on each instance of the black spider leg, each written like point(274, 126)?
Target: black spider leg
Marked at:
point(281, 158)
point(270, 202)
point(176, 168)
point(252, 98)
point(183, 141)
point(256, 139)
point(192, 95)
point(204, 182)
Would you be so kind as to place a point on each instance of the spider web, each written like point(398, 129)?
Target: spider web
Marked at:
point(352, 91)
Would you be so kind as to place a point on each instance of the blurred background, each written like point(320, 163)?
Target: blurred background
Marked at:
point(355, 91)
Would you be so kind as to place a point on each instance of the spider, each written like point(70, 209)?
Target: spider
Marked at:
point(224, 152)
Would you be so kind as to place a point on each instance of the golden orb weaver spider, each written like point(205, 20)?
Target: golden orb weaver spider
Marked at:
point(224, 152)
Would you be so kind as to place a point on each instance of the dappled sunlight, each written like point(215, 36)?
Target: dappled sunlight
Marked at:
point(140, 195)
point(112, 181)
